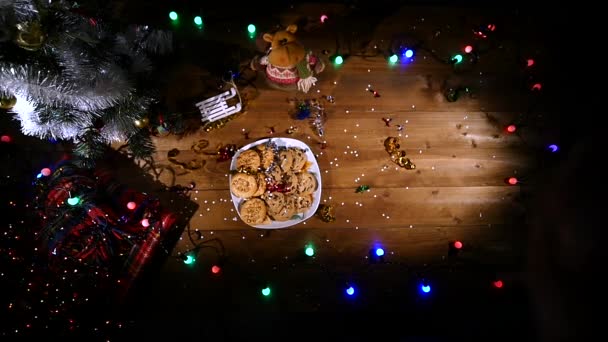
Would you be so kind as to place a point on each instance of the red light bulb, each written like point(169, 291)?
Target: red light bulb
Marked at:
point(468, 49)
point(530, 62)
point(512, 180)
point(498, 284)
point(457, 244)
point(215, 269)
point(511, 128)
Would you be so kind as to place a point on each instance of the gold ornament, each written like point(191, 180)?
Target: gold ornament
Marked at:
point(398, 157)
point(30, 36)
point(141, 123)
point(391, 145)
point(326, 213)
point(8, 102)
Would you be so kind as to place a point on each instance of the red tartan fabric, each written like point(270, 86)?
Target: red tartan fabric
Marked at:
point(102, 231)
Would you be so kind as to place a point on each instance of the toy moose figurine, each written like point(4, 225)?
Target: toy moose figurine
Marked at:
point(288, 65)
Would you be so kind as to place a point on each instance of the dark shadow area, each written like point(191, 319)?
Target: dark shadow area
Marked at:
point(25, 267)
point(140, 176)
point(550, 290)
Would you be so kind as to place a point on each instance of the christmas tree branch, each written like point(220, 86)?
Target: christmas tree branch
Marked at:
point(90, 147)
point(43, 87)
point(24, 10)
point(141, 144)
point(120, 119)
point(61, 122)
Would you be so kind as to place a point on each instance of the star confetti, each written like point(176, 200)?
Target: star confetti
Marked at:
point(362, 188)
point(376, 94)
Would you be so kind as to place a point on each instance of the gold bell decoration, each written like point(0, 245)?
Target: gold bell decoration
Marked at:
point(391, 144)
point(7, 102)
point(398, 156)
point(141, 123)
point(30, 36)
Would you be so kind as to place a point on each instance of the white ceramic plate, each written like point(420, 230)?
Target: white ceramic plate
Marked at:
point(314, 169)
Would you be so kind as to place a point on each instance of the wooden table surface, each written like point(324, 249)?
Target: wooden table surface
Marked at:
point(461, 151)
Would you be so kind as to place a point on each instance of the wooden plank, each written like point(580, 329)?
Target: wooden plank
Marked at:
point(381, 208)
point(437, 129)
point(417, 245)
point(435, 167)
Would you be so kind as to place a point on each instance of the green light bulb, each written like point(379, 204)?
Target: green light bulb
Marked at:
point(339, 60)
point(457, 59)
point(309, 251)
point(73, 200)
point(198, 20)
point(173, 15)
point(393, 59)
point(251, 28)
point(266, 291)
point(189, 260)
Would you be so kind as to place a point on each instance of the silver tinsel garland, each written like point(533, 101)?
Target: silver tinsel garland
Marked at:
point(81, 77)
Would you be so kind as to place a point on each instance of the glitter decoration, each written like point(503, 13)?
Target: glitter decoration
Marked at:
point(318, 118)
point(326, 213)
point(392, 146)
point(303, 110)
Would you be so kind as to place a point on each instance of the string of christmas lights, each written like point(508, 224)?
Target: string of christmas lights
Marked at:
point(60, 298)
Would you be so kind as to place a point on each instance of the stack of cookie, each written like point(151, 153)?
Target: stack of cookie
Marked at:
point(274, 182)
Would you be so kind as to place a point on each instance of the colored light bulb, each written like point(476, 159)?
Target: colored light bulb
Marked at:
point(189, 260)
